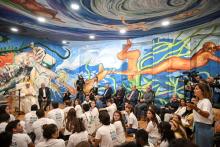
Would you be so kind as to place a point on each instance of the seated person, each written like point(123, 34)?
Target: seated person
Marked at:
point(132, 123)
point(133, 96)
point(170, 107)
point(144, 102)
point(119, 96)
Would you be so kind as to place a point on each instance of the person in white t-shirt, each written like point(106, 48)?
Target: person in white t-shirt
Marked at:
point(152, 128)
point(106, 135)
point(95, 112)
point(37, 125)
point(78, 108)
point(154, 108)
point(79, 133)
point(131, 119)
point(88, 119)
point(167, 135)
point(68, 106)
point(30, 118)
point(203, 116)
point(111, 108)
point(141, 137)
point(50, 134)
point(87, 100)
point(120, 126)
point(5, 109)
point(19, 139)
point(57, 115)
point(68, 123)
point(181, 109)
point(4, 119)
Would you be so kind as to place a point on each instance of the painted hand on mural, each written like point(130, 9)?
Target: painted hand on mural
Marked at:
point(132, 57)
point(174, 63)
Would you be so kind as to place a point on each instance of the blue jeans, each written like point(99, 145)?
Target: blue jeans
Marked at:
point(203, 134)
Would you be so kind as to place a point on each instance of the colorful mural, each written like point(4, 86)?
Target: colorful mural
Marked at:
point(157, 60)
point(105, 17)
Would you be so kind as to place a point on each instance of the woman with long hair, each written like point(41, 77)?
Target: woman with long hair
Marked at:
point(68, 123)
point(119, 125)
point(203, 116)
point(167, 135)
point(50, 134)
point(79, 133)
point(152, 127)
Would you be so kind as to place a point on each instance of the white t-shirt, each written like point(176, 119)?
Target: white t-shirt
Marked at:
point(131, 120)
point(12, 117)
point(58, 116)
point(20, 140)
point(86, 102)
point(204, 105)
point(89, 122)
point(2, 126)
point(76, 138)
point(108, 136)
point(164, 144)
point(158, 118)
point(95, 112)
point(120, 132)
point(37, 127)
point(153, 134)
point(29, 119)
point(111, 109)
point(52, 143)
point(66, 109)
point(79, 111)
point(180, 111)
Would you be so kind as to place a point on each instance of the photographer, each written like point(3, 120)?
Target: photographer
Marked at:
point(79, 87)
point(215, 86)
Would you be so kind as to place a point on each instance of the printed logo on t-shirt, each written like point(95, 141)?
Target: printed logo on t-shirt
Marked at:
point(58, 116)
point(33, 119)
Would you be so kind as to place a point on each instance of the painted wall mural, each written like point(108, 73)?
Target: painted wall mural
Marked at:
point(158, 60)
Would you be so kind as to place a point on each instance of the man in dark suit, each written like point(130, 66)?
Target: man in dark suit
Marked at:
point(133, 96)
point(44, 95)
point(107, 93)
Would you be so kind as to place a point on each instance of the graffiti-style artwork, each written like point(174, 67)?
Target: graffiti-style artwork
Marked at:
point(157, 60)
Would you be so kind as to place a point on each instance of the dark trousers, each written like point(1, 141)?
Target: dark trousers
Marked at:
point(47, 103)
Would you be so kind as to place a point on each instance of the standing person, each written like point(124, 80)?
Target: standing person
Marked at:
point(203, 117)
point(79, 87)
point(106, 135)
point(50, 134)
point(19, 139)
point(145, 101)
point(107, 93)
point(44, 95)
point(79, 133)
point(30, 118)
point(29, 98)
point(120, 126)
point(94, 89)
point(66, 96)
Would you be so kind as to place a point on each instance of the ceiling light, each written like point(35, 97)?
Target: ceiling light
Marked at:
point(165, 23)
point(14, 29)
point(91, 36)
point(64, 42)
point(41, 19)
point(122, 31)
point(74, 6)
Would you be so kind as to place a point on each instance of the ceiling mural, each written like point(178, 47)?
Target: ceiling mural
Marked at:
point(104, 18)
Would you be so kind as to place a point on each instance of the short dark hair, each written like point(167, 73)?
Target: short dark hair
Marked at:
point(104, 117)
point(40, 113)
point(11, 125)
point(86, 107)
point(4, 117)
point(34, 107)
point(141, 136)
point(78, 125)
point(49, 130)
point(2, 109)
point(55, 104)
point(6, 139)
